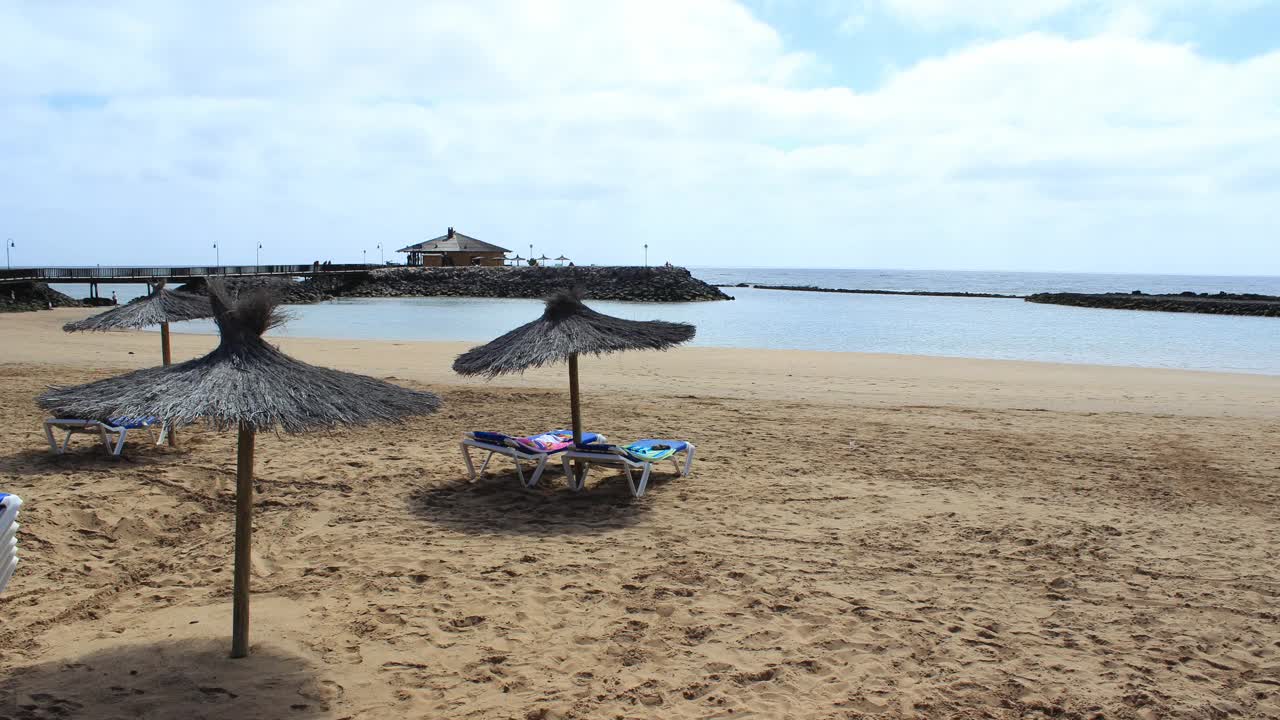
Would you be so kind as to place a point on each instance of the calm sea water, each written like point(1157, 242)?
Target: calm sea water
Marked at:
point(956, 327)
point(1002, 283)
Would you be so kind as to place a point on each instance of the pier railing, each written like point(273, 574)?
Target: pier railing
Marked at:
point(102, 273)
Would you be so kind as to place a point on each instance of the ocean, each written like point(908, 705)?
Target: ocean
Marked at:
point(911, 325)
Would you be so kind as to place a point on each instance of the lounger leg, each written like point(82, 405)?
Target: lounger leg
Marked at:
point(688, 460)
point(644, 479)
point(576, 481)
point(66, 440)
point(466, 457)
point(48, 433)
point(568, 471)
point(519, 472)
point(485, 464)
point(124, 432)
point(537, 472)
point(106, 439)
point(164, 434)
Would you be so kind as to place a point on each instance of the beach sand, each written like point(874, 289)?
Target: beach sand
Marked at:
point(862, 536)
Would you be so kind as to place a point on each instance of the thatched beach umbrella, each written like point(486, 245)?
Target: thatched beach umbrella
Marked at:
point(249, 385)
point(566, 330)
point(161, 307)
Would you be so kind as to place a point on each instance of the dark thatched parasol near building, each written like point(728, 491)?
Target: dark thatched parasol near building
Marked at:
point(250, 385)
point(161, 307)
point(566, 330)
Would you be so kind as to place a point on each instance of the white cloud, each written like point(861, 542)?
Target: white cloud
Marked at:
point(1129, 16)
point(323, 129)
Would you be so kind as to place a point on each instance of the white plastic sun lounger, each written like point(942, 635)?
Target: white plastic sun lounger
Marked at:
point(9, 505)
point(640, 455)
point(112, 432)
point(508, 446)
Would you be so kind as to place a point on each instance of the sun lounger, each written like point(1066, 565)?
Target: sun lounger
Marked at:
point(533, 449)
point(9, 505)
point(112, 432)
point(640, 455)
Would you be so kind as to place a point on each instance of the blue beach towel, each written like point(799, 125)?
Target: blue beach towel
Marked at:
point(132, 423)
point(641, 450)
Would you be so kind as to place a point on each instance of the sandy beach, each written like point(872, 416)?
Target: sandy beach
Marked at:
point(862, 536)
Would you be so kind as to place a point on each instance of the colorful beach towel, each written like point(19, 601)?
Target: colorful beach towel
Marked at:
point(548, 442)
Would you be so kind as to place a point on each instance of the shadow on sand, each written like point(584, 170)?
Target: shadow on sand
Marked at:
point(187, 680)
point(87, 456)
point(498, 504)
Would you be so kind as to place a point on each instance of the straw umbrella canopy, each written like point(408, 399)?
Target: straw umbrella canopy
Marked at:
point(566, 330)
point(160, 307)
point(561, 259)
point(249, 385)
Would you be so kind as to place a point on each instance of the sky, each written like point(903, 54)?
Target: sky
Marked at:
point(1044, 135)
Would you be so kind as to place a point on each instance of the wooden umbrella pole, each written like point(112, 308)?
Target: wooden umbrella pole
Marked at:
point(575, 407)
point(244, 542)
point(166, 355)
point(574, 401)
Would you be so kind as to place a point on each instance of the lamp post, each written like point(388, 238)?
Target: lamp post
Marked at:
point(364, 257)
point(8, 243)
point(382, 255)
point(217, 256)
point(257, 257)
point(646, 254)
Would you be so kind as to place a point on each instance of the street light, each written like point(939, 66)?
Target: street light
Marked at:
point(530, 252)
point(257, 256)
point(364, 257)
point(217, 256)
point(382, 254)
point(646, 254)
point(8, 244)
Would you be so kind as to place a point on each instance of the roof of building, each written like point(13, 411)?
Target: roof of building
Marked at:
point(453, 242)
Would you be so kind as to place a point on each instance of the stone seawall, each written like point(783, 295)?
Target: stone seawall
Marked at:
point(638, 284)
point(1220, 304)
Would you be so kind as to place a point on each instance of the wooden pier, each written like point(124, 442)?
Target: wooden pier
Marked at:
point(95, 274)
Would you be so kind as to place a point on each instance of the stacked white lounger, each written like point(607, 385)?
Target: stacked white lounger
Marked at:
point(9, 505)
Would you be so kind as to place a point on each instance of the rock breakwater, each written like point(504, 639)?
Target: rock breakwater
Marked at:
point(636, 284)
point(1219, 304)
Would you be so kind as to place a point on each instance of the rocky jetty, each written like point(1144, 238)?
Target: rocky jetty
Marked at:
point(925, 293)
point(1219, 304)
point(290, 292)
point(638, 284)
point(23, 297)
